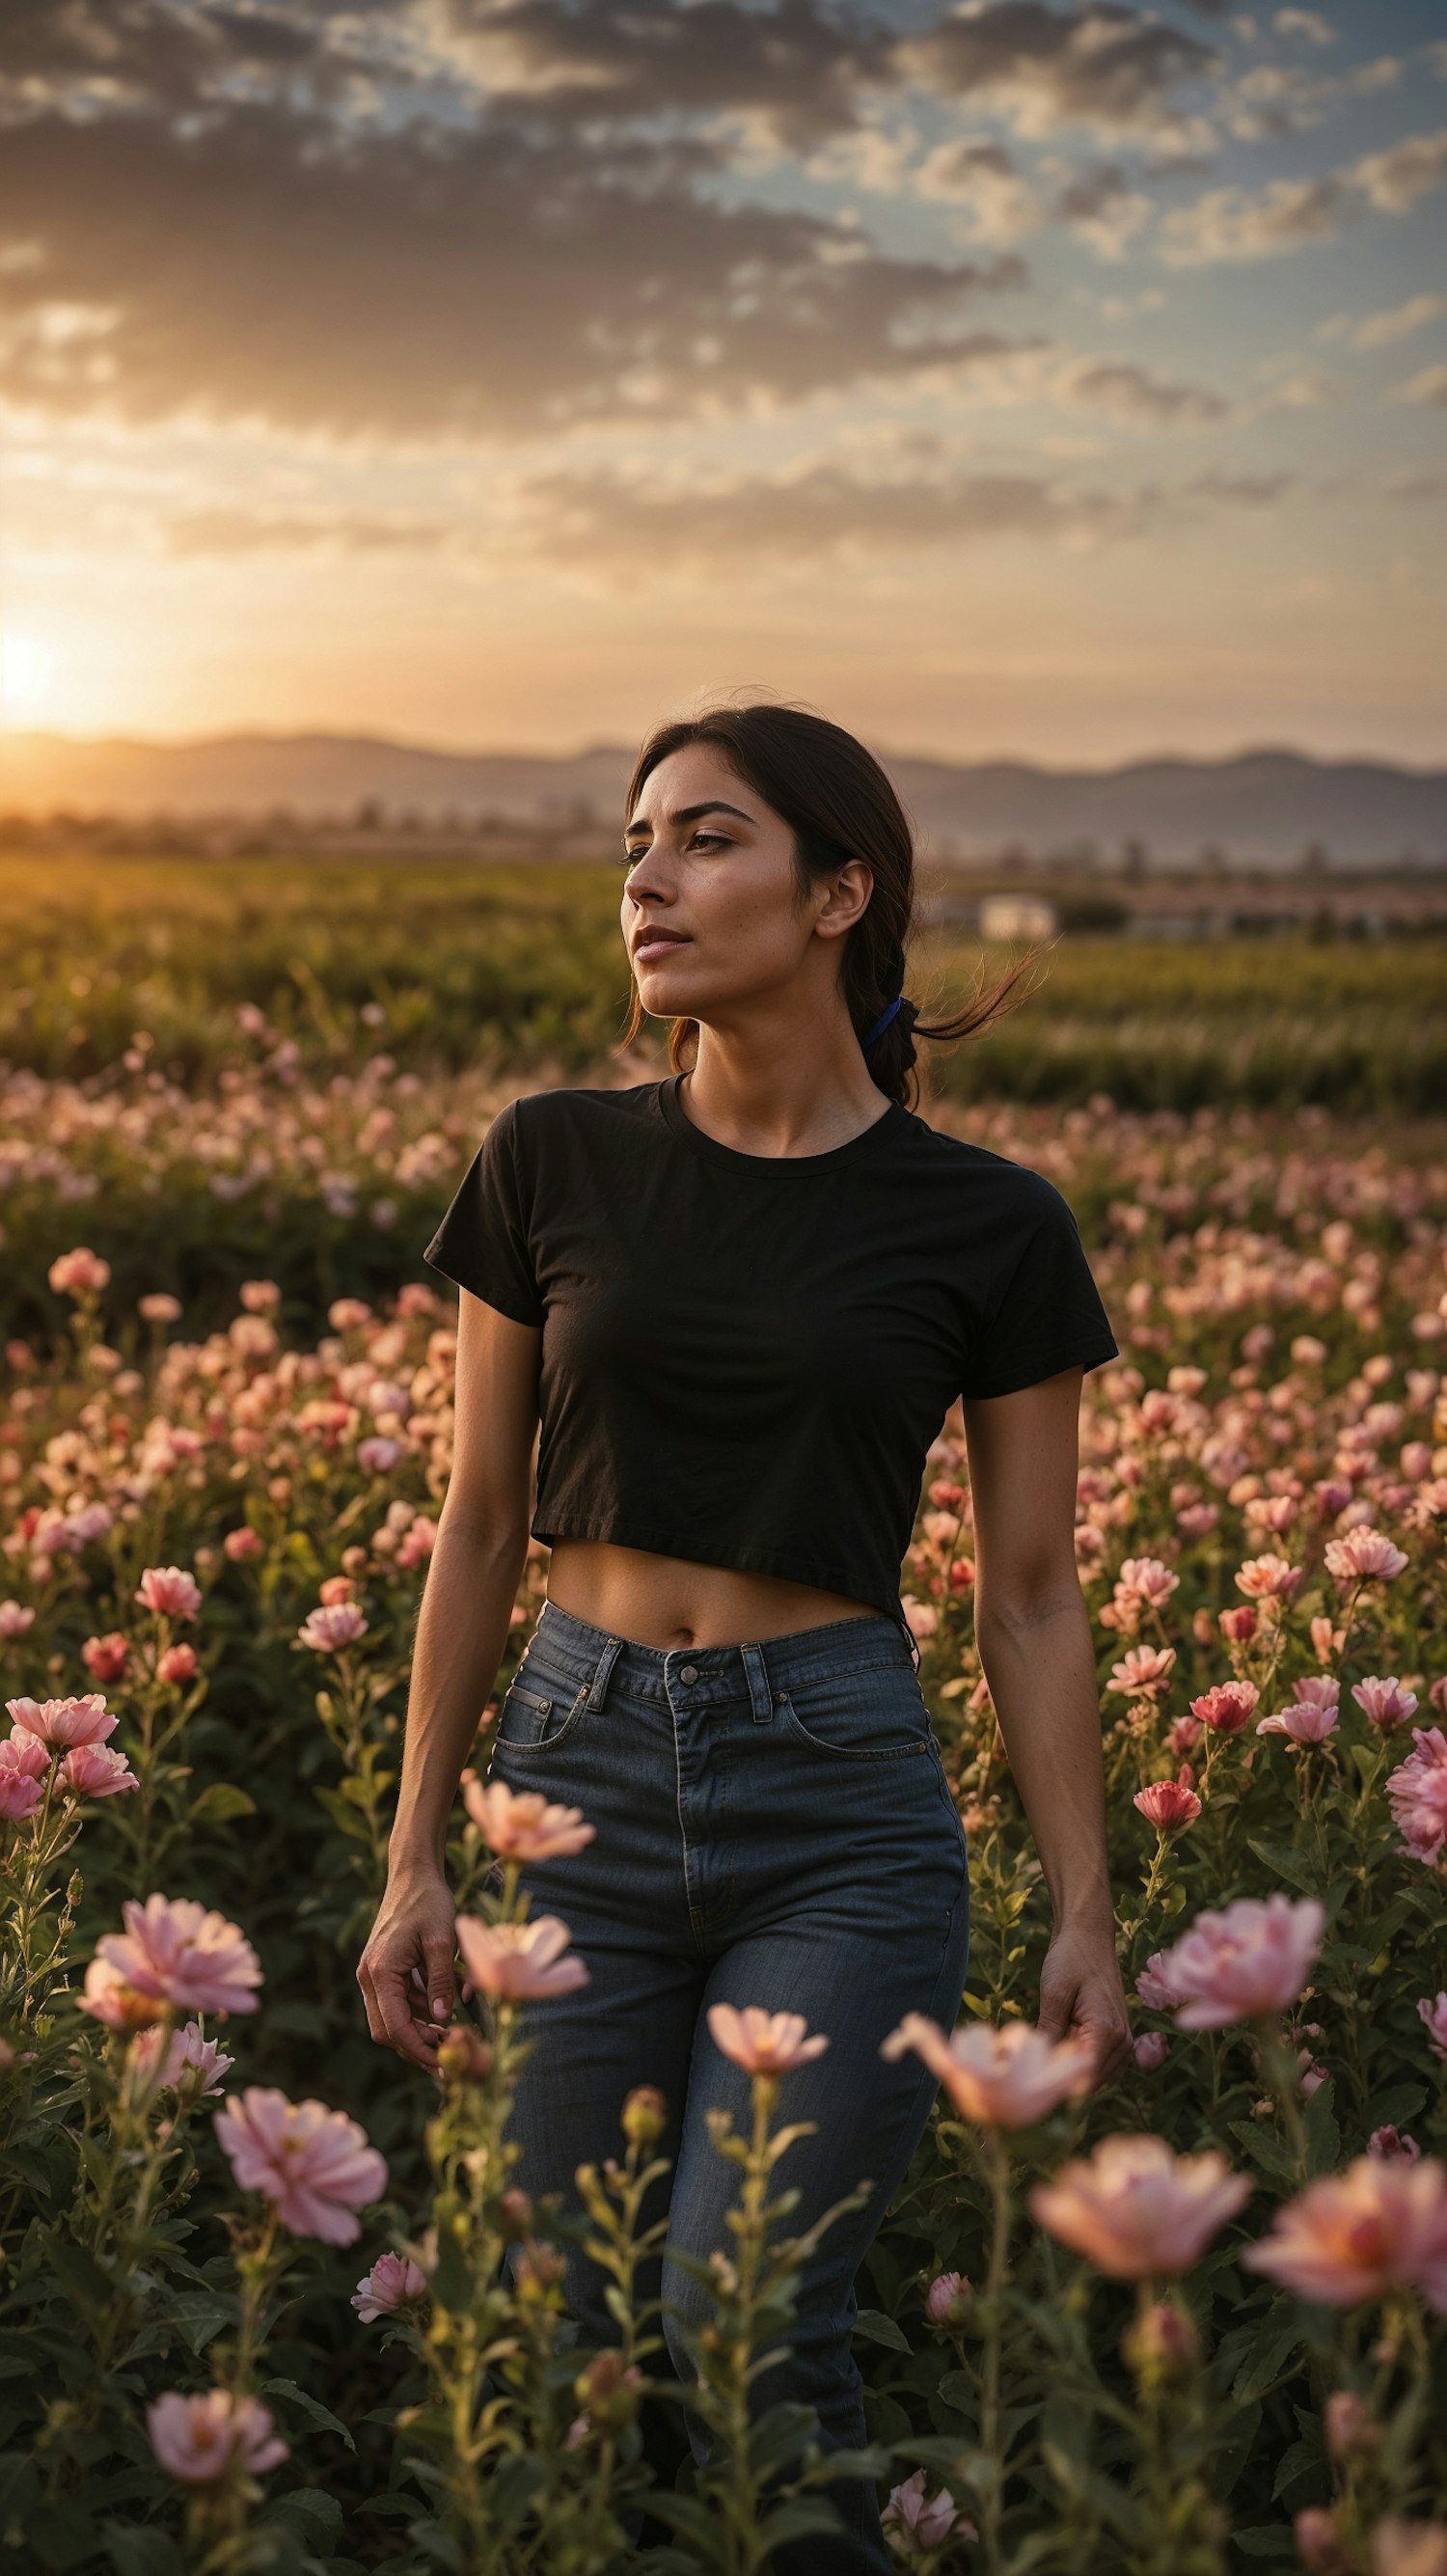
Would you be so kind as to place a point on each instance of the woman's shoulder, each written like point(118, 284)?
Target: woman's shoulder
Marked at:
point(538, 1119)
point(959, 1158)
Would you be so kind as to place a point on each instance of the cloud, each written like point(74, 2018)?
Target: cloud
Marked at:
point(1131, 393)
point(982, 178)
point(1102, 207)
point(1102, 66)
point(1378, 330)
point(1234, 224)
point(1429, 387)
point(242, 531)
point(1308, 23)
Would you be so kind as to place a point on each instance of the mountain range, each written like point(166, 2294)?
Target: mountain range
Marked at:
point(1260, 808)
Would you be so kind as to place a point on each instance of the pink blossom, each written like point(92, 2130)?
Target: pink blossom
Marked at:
point(1248, 1960)
point(337, 1587)
point(1268, 1578)
point(1349, 2237)
point(378, 1453)
point(1151, 2050)
point(1364, 1555)
point(97, 1771)
point(105, 1658)
point(1134, 2208)
point(392, 2284)
point(1169, 1804)
point(513, 1962)
point(241, 1545)
point(348, 1314)
point(1305, 1722)
point(419, 1539)
point(1433, 2012)
point(1006, 2078)
point(159, 1308)
point(521, 1824)
point(1392, 2141)
point(260, 1296)
point(763, 2043)
point(920, 1617)
point(1183, 1735)
point(314, 2164)
point(15, 1619)
point(917, 2524)
point(948, 2299)
point(109, 1998)
point(81, 1273)
point(1144, 1672)
point(174, 1949)
point(1227, 1708)
point(1156, 1984)
point(64, 1721)
point(23, 1752)
point(1385, 1703)
point(189, 2053)
point(1417, 1794)
point(20, 1795)
point(199, 2439)
point(331, 1627)
point(168, 1591)
point(1319, 2544)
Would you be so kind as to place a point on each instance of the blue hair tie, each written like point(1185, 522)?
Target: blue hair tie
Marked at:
point(882, 1023)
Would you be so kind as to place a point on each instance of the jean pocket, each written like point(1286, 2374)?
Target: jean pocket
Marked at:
point(861, 1719)
point(531, 1721)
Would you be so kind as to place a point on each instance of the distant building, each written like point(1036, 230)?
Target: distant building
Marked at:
point(1017, 916)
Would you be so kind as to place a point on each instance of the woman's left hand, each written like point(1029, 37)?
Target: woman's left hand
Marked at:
point(1081, 1996)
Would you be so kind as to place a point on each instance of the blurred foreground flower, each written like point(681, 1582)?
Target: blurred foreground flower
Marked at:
point(197, 2439)
point(763, 2043)
point(1249, 1960)
point(1134, 2208)
point(1381, 2225)
point(520, 1824)
point(512, 1962)
point(1006, 2078)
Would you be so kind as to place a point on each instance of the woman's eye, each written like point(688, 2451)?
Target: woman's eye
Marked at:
point(715, 840)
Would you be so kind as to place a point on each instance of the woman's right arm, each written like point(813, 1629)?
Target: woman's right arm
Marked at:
point(462, 1628)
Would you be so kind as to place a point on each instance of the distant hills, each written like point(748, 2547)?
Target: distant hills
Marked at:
point(1262, 808)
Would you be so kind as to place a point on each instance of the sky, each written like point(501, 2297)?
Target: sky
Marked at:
point(1064, 382)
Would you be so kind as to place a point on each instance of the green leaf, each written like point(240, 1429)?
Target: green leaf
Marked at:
point(1277, 2338)
point(1265, 2150)
point(1266, 2540)
point(141, 2552)
point(872, 2326)
point(313, 2515)
point(220, 1803)
point(1284, 1861)
point(310, 2407)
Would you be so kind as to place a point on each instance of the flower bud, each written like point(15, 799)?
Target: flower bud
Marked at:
point(645, 2116)
point(1317, 2544)
point(608, 2392)
point(515, 2213)
point(948, 2300)
point(1161, 2345)
point(462, 2056)
point(1351, 2429)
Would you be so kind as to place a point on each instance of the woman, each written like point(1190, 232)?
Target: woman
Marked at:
point(742, 1300)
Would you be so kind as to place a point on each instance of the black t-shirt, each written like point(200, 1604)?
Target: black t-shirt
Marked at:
point(746, 1357)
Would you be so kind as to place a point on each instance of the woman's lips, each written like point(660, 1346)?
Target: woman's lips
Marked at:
point(659, 943)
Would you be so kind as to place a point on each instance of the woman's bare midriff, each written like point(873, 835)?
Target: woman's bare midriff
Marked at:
point(673, 1601)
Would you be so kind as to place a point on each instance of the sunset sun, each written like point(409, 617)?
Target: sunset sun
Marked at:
point(29, 669)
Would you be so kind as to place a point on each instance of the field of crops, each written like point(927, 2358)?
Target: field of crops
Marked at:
point(253, 2305)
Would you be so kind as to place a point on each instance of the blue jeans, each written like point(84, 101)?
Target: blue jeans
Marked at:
point(774, 1827)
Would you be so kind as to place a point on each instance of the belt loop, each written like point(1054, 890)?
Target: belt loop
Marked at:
point(598, 1687)
point(761, 1698)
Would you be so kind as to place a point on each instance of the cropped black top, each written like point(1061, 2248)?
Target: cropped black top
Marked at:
point(745, 1358)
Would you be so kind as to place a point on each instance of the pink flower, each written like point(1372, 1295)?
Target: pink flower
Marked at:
point(948, 2299)
point(1401, 2548)
point(763, 2043)
point(513, 1962)
point(520, 1824)
point(177, 1665)
point(1134, 2208)
point(168, 1591)
point(1151, 2050)
point(159, 1308)
point(1434, 2014)
point(109, 1998)
point(15, 1619)
point(348, 1314)
point(1348, 2237)
point(23, 1752)
point(198, 2439)
point(393, 2283)
point(1144, 1672)
point(1247, 1960)
point(260, 1296)
point(64, 1721)
point(1417, 1794)
point(921, 1618)
point(1305, 1722)
point(419, 1539)
point(331, 1627)
point(1365, 1555)
point(1006, 2078)
point(81, 1273)
point(188, 2053)
point(1168, 1804)
point(1155, 1984)
point(1183, 1735)
point(20, 1795)
point(1268, 1578)
point(1319, 2544)
point(377, 1454)
point(176, 1951)
point(918, 2524)
point(1385, 1703)
point(314, 2164)
point(1392, 2141)
point(1226, 1708)
point(241, 1545)
point(97, 1771)
point(105, 1658)
point(337, 1587)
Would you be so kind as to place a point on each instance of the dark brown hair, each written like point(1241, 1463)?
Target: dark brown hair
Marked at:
point(839, 805)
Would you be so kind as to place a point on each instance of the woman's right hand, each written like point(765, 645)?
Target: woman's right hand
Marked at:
point(406, 1971)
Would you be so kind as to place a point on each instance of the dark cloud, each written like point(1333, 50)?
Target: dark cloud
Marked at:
point(1100, 65)
point(1133, 393)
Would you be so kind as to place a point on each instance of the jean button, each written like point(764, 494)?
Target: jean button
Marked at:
point(688, 1673)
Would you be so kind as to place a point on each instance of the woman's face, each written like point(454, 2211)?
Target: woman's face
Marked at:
point(711, 909)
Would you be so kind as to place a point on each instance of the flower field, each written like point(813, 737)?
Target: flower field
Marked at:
point(269, 2300)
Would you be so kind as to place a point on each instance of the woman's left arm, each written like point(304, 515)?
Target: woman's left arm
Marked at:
point(1033, 1633)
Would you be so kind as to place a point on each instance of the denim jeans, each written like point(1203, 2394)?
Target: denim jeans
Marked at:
point(774, 1827)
